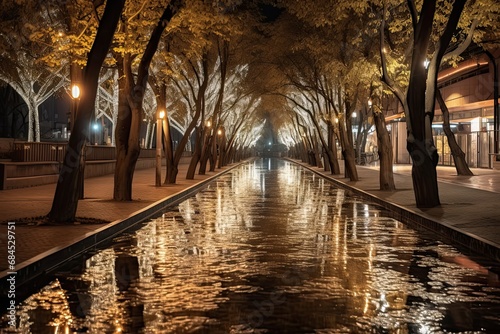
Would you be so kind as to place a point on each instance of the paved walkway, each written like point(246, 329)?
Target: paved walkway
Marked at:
point(470, 206)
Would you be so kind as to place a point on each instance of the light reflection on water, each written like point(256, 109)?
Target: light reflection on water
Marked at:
point(271, 248)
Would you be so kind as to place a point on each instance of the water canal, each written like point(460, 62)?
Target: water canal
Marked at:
point(271, 248)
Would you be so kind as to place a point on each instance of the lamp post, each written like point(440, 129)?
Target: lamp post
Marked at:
point(75, 91)
point(355, 126)
point(75, 95)
point(159, 121)
point(219, 141)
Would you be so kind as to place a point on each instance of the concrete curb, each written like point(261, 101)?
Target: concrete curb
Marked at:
point(420, 222)
point(29, 272)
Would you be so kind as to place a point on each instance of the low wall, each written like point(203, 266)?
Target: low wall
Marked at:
point(6, 148)
point(55, 151)
point(29, 174)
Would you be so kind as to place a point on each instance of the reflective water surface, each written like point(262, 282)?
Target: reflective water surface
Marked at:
point(271, 248)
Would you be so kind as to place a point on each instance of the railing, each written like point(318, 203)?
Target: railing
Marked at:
point(31, 152)
point(99, 152)
point(478, 147)
point(37, 152)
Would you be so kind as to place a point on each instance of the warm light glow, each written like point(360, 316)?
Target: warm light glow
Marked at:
point(209, 124)
point(462, 68)
point(336, 120)
point(219, 132)
point(370, 103)
point(75, 91)
point(161, 114)
point(354, 114)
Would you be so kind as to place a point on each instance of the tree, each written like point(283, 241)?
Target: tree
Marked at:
point(200, 71)
point(338, 68)
point(132, 91)
point(65, 201)
point(456, 152)
point(432, 28)
point(107, 99)
point(21, 68)
point(242, 113)
point(386, 176)
point(420, 99)
point(191, 77)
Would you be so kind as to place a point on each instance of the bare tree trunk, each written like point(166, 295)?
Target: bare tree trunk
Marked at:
point(172, 168)
point(127, 136)
point(420, 144)
point(160, 90)
point(421, 98)
point(195, 158)
point(385, 153)
point(222, 150)
point(317, 153)
point(206, 150)
point(304, 149)
point(65, 201)
point(124, 173)
point(348, 153)
point(213, 151)
point(129, 122)
point(457, 153)
point(332, 151)
point(32, 116)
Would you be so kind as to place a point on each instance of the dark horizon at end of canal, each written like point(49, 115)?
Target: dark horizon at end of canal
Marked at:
point(270, 247)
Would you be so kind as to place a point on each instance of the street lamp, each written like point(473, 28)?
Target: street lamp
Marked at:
point(75, 91)
point(95, 127)
point(426, 63)
point(159, 121)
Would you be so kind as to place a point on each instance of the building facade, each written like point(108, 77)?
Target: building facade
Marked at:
point(469, 94)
